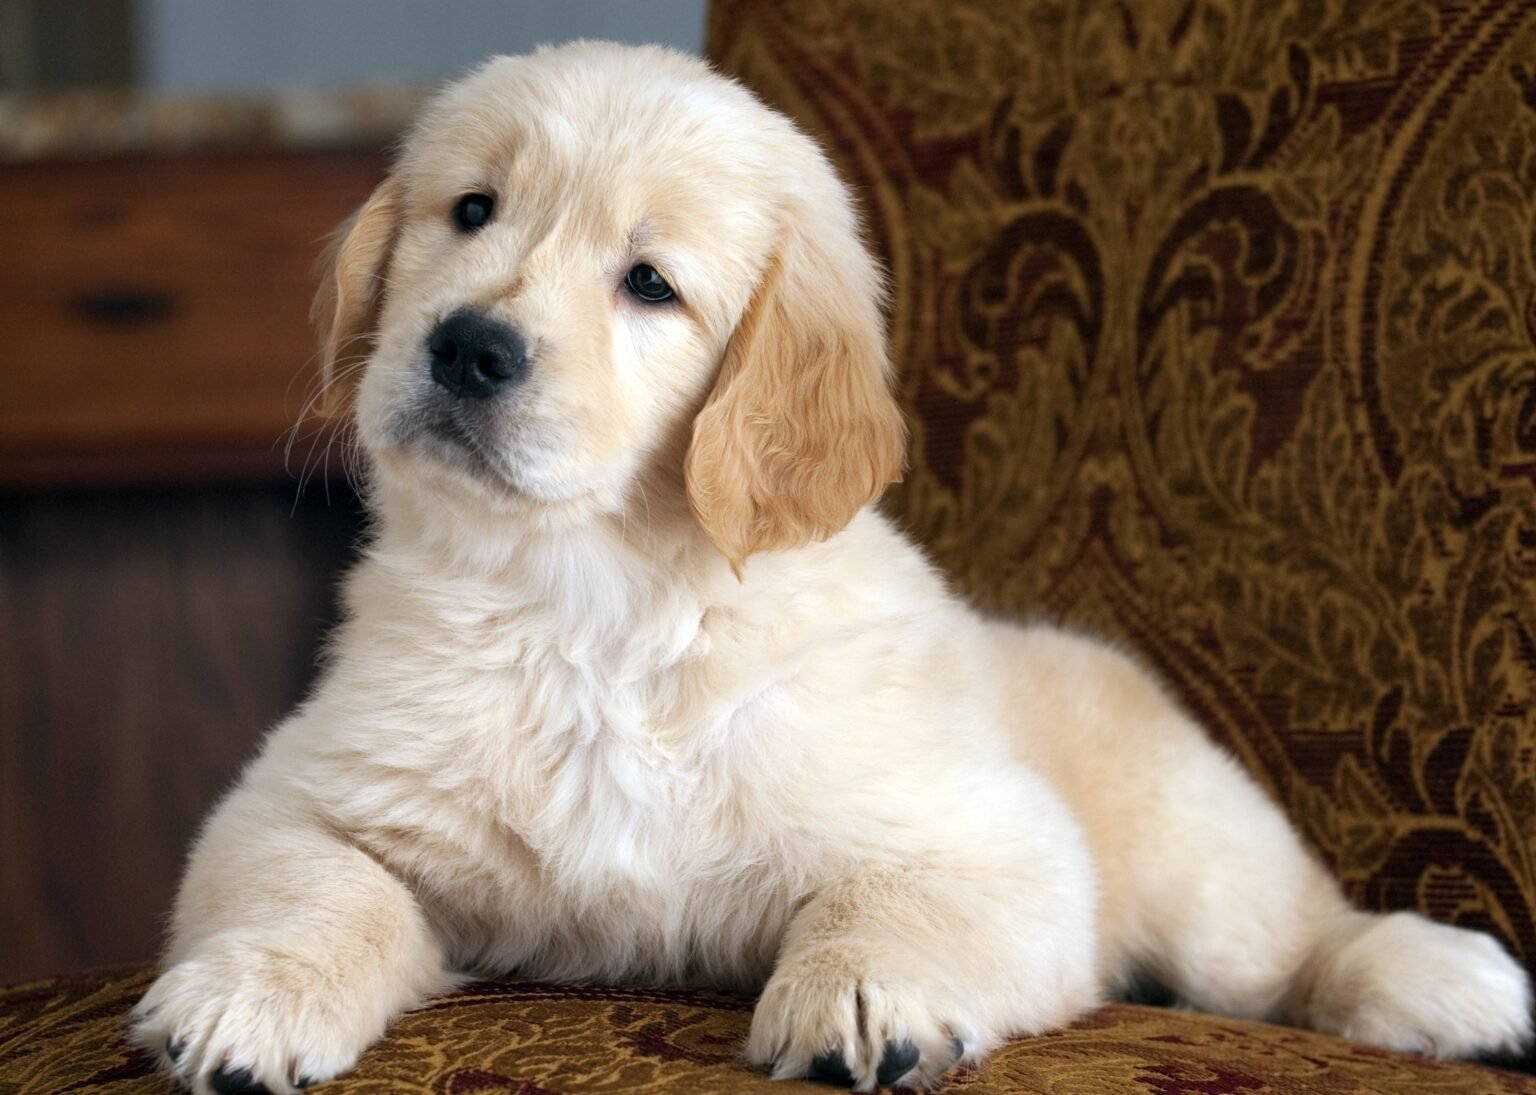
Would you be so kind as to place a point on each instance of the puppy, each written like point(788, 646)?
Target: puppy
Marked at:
point(634, 684)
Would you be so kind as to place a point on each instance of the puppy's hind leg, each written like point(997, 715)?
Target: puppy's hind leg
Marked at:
point(1261, 929)
point(291, 950)
point(1208, 888)
point(1247, 922)
point(1408, 983)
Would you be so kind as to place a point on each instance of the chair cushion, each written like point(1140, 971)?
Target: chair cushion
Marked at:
point(524, 1038)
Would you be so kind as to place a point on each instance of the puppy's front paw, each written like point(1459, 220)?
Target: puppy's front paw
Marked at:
point(247, 1017)
point(829, 1021)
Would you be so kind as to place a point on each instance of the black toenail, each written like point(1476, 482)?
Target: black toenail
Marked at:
point(301, 1082)
point(174, 1047)
point(830, 1068)
point(898, 1059)
point(236, 1081)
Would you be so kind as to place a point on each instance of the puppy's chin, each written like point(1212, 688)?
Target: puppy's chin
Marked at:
point(459, 448)
point(450, 461)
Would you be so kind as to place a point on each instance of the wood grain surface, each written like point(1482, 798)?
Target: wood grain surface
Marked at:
point(155, 311)
point(147, 640)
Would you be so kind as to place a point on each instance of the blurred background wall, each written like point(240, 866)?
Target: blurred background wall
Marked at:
point(168, 171)
point(199, 45)
point(241, 46)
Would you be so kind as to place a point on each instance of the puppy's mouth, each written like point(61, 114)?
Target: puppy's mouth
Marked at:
point(446, 437)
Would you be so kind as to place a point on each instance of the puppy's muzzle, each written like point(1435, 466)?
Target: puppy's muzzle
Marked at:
point(474, 356)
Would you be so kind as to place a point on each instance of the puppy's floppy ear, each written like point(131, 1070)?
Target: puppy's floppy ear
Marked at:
point(347, 304)
point(801, 430)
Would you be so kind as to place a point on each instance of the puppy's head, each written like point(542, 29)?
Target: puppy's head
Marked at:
point(600, 271)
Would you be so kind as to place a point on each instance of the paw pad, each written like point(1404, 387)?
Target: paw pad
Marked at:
point(898, 1059)
point(236, 1081)
point(830, 1068)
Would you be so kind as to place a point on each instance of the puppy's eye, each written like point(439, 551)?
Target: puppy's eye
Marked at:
point(643, 281)
point(473, 212)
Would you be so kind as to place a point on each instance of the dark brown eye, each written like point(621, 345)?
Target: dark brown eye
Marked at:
point(647, 284)
point(473, 212)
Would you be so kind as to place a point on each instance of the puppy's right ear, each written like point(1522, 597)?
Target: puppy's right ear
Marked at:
point(346, 307)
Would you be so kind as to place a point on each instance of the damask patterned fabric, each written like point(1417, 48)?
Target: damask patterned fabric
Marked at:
point(520, 1038)
point(1217, 324)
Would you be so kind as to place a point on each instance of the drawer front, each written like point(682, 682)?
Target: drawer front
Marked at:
point(155, 311)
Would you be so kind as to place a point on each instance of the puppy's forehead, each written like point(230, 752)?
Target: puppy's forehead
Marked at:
point(622, 118)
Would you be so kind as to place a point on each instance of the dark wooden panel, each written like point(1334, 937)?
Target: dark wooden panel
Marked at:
point(155, 311)
point(83, 43)
point(46, 44)
point(146, 641)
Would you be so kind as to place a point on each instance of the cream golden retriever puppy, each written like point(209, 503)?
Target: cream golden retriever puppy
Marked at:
point(635, 684)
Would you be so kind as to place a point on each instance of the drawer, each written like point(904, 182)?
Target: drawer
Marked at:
point(154, 311)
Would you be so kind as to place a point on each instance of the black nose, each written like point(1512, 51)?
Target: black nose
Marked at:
point(474, 355)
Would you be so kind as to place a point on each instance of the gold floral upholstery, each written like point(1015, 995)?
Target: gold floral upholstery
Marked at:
point(1215, 321)
point(1217, 324)
point(520, 1038)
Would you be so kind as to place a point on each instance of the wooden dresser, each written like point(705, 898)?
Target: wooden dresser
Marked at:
point(164, 583)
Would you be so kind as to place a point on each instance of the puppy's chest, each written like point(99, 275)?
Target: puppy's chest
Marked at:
point(585, 760)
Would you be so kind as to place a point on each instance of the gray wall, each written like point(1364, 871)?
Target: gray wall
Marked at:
point(249, 45)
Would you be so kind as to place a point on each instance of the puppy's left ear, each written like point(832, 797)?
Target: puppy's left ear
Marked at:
point(346, 307)
point(801, 430)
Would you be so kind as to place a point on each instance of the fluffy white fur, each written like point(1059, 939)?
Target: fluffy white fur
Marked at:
point(633, 684)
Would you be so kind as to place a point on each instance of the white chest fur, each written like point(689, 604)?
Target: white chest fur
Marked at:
point(562, 769)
